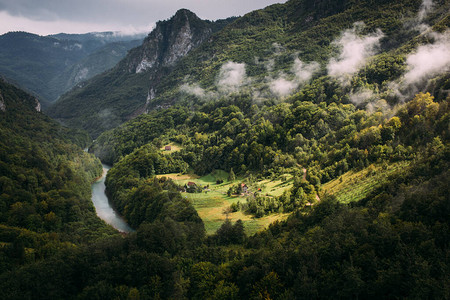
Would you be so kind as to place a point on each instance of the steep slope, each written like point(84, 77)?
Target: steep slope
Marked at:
point(45, 179)
point(257, 52)
point(95, 63)
point(111, 98)
point(50, 65)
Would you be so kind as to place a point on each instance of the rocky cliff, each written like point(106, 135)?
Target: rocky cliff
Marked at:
point(168, 42)
point(132, 82)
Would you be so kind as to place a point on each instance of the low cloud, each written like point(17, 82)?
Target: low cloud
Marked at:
point(303, 72)
point(429, 60)
point(281, 86)
point(355, 49)
point(361, 96)
point(426, 62)
point(381, 106)
point(425, 8)
point(193, 89)
point(231, 77)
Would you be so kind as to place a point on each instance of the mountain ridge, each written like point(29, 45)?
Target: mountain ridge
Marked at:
point(271, 38)
point(36, 62)
point(141, 70)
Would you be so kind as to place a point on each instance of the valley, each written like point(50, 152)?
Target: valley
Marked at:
point(300, 151)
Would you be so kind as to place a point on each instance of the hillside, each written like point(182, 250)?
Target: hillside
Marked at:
point(45, 181)
point(268, 53)
point(48, 66)
point(124, 92)
point(301, 151)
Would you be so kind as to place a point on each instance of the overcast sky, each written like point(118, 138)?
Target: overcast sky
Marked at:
point(79, 16)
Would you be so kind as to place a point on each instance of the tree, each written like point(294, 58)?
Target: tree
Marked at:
point(231, 176)
point(238, 232)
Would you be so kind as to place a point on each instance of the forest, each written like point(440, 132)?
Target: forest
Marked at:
point(362, 156)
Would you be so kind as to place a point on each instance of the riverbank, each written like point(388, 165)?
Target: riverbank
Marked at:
point(104, 209)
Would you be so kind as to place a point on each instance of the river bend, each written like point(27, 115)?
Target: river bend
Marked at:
point(103, 208)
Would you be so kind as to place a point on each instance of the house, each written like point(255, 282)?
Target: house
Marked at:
point(191, 184)
point(168, 148)
point(244, 188)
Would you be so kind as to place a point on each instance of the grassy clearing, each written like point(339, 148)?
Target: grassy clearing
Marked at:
point(174, 148)
point(354, 186)
point(213, 202)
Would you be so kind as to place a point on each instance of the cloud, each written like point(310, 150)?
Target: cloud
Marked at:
point(355, 49)
point(429, 60)
point(196, 90)
point(93, 15)
point(231, 77)
point(41, 27)
point(425, 8)
point(303, 72)
point(425, 63)
point(281, 86)
point(382, 106)
point(361, 96)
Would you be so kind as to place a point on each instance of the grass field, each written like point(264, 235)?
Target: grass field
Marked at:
point(354, 186)
point(174, 148)
point(213, 203)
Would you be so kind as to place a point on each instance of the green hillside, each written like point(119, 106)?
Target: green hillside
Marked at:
point(45, 179)
point(265, 43)
point(301, 151)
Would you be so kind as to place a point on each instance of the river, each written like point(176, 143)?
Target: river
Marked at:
point(104, 210)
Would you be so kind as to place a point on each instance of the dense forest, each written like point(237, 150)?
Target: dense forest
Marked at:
point(360, 142)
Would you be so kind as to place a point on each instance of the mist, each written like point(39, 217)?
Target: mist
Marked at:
point(361, 97)
point(426, 62)
point(425, 8)
point(231, 77)
point(355, 49)
point(303, 72)
point(429, 60)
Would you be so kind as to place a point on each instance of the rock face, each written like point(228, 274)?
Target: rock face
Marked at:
point(168, 42)
point(2, 103)
point(127, 90)
point(37, 105)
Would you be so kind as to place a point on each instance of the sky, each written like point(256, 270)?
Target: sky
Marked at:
point(45, 17)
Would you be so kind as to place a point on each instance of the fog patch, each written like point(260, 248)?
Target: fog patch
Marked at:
point(355, 49)
point(426, 62)
point(361, 97)
point(381, 106)
point(302, 73)
point(231, 77)
point(425, 8)
point(429, 60)
point(282, 86)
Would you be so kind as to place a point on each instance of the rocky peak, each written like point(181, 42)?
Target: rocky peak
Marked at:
point(2, 103)
point(169, 41)
point(37, 105)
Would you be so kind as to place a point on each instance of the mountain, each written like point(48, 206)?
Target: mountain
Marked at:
point(257, 47)
point(50, 65)
point(115, 96)
point(300, 152)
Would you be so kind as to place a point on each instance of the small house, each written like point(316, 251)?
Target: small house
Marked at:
point(244, 188)
point(191, 184)
point(168, 148)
